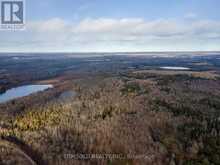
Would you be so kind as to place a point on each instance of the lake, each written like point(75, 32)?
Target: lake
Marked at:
point(22, 91)
point(174, 68)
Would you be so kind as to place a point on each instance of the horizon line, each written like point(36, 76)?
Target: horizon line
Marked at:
point(107, 52)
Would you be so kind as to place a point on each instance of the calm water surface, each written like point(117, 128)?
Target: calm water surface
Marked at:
point(22, 91)
point(174, 68)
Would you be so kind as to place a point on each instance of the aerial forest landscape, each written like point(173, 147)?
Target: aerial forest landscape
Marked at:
point(92, 83)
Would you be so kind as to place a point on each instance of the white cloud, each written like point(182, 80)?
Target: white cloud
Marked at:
point(52, 25)
point(114, 34)
point(191, 15)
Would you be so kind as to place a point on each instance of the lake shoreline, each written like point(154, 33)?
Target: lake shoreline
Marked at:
point(22, 91)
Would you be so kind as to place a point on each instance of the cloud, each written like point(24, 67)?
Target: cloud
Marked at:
point(191, 15)
point(114, 34)
point(52, 25)
point(139, 29)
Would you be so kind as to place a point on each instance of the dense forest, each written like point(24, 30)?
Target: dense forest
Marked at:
point(124, 115)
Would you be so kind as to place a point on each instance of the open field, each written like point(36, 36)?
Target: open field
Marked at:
point(196, 74)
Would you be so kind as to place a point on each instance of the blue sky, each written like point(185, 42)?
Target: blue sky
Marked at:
point(116, 25)
point(149, 9)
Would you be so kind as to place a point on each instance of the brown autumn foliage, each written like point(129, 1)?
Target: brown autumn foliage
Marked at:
point(146, 121)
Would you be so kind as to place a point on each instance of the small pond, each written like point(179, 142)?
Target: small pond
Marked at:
point(174, 68)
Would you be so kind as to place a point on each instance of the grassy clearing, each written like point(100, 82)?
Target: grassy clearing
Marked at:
point(205, 74)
